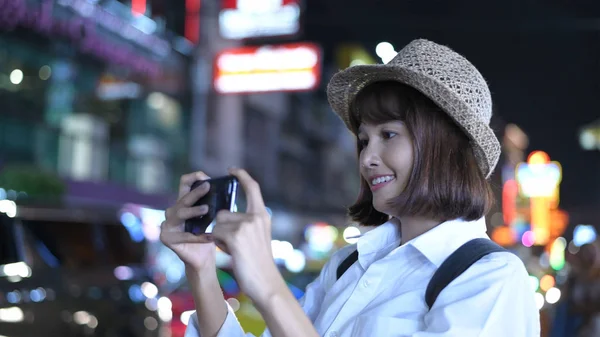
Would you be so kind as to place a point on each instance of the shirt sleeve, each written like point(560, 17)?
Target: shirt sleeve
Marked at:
point(310, 303)
point(230, 328)
point(492, 298)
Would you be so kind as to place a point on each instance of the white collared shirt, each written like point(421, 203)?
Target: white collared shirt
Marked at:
point(383, 295)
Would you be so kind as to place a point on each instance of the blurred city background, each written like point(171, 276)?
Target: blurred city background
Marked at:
point(105, 103)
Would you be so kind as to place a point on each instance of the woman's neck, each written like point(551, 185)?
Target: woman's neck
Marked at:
point(411, 227)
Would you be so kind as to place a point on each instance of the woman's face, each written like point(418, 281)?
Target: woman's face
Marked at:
point(386, 160)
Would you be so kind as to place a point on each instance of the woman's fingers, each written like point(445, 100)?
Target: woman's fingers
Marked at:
point(195, 194)
point(234, 229)
point(225, 217)
point(192, 212)
point(252, 190)
point(176, 216)
point(187, 180)
point(174, 238)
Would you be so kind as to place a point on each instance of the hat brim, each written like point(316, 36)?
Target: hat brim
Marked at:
point(345, 85)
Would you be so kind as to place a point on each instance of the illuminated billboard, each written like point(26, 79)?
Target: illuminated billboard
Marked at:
point(243, 19)
point(539, 180)
point(272, 68)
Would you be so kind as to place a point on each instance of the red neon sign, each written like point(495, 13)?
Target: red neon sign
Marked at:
point(289, 67)
point(233, 4)
point(192, 20)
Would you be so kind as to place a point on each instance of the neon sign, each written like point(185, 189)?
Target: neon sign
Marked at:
point(290, 67)
point(81, 31)
point(539, 180)
point(539, 177)
point(242, 19)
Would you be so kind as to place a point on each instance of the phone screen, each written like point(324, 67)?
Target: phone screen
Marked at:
point(221, 196)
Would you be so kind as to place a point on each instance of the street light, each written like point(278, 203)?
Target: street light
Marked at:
point(16, 76)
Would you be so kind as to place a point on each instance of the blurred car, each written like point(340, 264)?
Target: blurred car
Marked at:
point(75, 272)
point(248, 316)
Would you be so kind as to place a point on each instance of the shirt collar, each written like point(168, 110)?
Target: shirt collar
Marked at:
point(439, 242)
point(378, 242)
point(436, 244)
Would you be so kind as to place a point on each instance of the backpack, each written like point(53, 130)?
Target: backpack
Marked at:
point(456, 264)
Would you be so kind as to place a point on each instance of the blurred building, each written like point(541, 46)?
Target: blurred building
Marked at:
point(97, 93)
point(294, 146)
point(259, 103)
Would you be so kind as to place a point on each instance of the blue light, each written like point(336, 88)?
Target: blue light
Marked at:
point(13, 297)
point(584, 234)
point(133, 226)
point(135, 293)
point(128, 220)
point(36, 295)
point(46, 255)
point(137, 235)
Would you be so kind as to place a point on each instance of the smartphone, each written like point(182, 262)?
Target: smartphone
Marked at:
point(222, 195)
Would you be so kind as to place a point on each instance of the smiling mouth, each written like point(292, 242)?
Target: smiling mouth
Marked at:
point(379, 182)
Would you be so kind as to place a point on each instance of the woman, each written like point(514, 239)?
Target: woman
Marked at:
point(425, 150)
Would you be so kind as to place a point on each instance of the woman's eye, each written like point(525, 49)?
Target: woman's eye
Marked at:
point(362, 143)
point(388, 134)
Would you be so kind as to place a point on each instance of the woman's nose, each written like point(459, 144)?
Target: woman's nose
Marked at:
point(370, 158)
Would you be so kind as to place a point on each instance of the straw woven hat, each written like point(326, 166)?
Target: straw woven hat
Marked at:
point(441, 74)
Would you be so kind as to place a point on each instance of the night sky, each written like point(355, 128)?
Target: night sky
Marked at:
point(541, 60)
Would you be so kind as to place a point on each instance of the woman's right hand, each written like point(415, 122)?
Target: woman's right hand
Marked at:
point(196, 251)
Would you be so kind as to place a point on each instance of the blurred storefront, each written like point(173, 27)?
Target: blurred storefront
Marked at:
point(96, 94)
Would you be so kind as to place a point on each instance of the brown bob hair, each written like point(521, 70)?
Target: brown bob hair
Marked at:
point(446, 182)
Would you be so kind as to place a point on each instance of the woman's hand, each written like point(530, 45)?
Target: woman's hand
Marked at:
point(247, 238)
point(197, 252)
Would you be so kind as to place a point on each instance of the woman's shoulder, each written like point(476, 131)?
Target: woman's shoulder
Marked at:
point(497, 267)
point(506, 261)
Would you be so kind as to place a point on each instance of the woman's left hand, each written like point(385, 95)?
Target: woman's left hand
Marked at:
point(247, 238)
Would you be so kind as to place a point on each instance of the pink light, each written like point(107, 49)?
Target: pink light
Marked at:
point(138, 7)
point(192, 6)
point(528, 239)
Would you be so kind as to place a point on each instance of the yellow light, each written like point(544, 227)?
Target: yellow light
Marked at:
point(538, 157)
point(547, 282)
point(540, 219)
point(504, 236)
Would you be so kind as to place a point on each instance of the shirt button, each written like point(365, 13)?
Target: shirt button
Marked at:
point(366, 283)
point(333, 334)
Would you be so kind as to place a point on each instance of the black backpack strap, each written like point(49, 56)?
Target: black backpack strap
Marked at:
point(347, 263)
point(459, 261)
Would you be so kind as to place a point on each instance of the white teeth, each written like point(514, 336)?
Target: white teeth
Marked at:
point(381, 180)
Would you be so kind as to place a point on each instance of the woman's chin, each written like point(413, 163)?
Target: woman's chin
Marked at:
point(381, 208)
